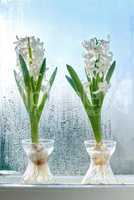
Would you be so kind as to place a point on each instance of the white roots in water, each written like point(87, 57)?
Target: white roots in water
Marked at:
point(37, 170)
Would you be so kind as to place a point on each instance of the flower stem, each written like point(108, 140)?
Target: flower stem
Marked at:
point(95, 121)
point(29, 51)
point(34, 131)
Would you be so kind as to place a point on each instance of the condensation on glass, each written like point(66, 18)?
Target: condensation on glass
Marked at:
point(64, 119)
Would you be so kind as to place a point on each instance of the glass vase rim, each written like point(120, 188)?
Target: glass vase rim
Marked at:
point(42, 140)
point(105, 141)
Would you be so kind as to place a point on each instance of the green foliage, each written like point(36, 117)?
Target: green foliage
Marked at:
point(40, 78)
point(78, 87)
point(44, 98)
point(110, 72)
point(34, 100)
point(92, 100)
point(72, 84)
point(25, 72)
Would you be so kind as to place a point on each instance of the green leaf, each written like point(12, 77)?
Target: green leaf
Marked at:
point(33, 83)
point(81, 92)
point(110, 72)
point(33, 92)
point(53, 77)
point(21, 91)
point(41, 106)
point(41, 75)
point(39, 81)
point(44, 98)
point(76, 80)
point(72, 84)
point(25, 72)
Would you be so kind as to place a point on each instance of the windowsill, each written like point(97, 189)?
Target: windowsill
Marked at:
point(15, 181)
point(66, 188)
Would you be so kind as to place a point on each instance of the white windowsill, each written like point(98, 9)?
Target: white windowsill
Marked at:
point(66, 188)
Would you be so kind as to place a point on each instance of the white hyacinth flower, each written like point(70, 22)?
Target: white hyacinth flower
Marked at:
point(98, 56)
point(90, 69)
point(103, 87)
point(34, 60)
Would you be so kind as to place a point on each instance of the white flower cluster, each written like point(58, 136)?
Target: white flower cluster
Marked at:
point(98, 59)
point(98, 56)
point(34, 60)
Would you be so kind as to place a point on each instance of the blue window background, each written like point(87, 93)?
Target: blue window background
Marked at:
point(63, 25)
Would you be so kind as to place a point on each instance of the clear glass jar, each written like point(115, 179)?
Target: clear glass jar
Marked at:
point(37, 170)
point(100, 171)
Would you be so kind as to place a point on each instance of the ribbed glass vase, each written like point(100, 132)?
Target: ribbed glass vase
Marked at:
point(37, 170)
point(100, 171)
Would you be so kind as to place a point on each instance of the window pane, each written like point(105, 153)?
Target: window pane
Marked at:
point(63, 25)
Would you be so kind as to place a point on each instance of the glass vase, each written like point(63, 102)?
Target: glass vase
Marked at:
point(100, 171)
point(37, 170)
